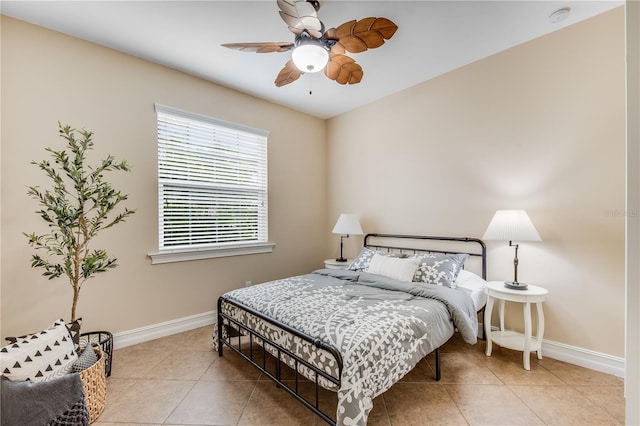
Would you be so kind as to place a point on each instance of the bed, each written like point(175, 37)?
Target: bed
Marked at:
point(358, 331)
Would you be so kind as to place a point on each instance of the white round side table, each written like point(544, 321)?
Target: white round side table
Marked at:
point(335, 264)
point(511, 339)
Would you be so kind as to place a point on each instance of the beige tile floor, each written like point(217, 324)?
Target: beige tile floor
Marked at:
point(180, 380)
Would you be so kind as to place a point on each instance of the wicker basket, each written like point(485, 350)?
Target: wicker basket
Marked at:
point(94, 383)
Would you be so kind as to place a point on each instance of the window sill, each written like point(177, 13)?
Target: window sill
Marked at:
point(183, 255)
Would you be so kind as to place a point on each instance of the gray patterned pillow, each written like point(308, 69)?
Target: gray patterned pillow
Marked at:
point(363, 259)
point(86, 359)
point(438, 268)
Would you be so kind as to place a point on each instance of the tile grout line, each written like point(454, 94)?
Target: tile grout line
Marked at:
point(195, 383)
point(457, 407)
point(255, 386)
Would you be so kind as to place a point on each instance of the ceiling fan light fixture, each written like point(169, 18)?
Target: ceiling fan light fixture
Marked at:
point(310, 57)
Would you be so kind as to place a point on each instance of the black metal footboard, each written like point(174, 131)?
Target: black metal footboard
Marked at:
point(233, 341)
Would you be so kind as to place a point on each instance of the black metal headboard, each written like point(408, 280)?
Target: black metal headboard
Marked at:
point(473, 247)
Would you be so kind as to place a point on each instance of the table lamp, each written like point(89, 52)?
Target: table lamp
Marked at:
point(347, 224)
point(512, 225)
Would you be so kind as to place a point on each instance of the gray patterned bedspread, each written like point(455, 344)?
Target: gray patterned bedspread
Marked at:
point(381, 327)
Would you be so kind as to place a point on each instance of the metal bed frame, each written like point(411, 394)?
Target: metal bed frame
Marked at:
point(231, 331)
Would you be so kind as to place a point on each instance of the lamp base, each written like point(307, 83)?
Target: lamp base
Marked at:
point(341, 259)
point(514, 285)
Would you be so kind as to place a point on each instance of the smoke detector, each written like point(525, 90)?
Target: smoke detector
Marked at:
point(559, 15)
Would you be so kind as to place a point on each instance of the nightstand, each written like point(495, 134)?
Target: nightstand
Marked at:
point(334, 264)
point(511, 339)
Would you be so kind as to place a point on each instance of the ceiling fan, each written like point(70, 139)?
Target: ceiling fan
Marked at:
point(315, 49)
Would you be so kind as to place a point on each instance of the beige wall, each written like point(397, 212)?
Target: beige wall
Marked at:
point(46, 77)
point(540, 127)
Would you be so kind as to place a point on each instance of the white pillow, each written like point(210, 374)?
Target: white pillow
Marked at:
point(39, 356)
point(469, 280)
point(393, 267)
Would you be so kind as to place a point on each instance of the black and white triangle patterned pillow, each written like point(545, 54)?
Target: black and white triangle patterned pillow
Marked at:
point(39, 356)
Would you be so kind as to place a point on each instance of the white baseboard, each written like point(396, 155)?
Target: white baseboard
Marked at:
point(584, 358)
point(577, 356)
point(571, 354)
point(155, 331)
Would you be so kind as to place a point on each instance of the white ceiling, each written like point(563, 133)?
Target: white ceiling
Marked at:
point(433, 38)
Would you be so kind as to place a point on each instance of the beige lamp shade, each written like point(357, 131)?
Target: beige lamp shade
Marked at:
point(511, 225)
point(348, 224)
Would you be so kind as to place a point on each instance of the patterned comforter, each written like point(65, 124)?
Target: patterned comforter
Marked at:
point(381, 327)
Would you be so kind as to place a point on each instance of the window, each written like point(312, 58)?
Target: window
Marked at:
point(212, 187)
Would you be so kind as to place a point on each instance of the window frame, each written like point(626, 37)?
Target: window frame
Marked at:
point(199, 252)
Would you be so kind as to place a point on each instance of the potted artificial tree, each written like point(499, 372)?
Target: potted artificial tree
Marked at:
point(80, 204)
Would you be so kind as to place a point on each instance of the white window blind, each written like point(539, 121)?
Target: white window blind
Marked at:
point(212, 182)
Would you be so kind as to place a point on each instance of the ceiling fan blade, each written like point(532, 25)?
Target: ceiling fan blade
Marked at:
point(337, 49)
point(343, 70)
point(267, 47)
point(297, 25)
point(288, 74)
point(297, 7)
point(300, 16)
point(368, 33)
point(330, 34)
